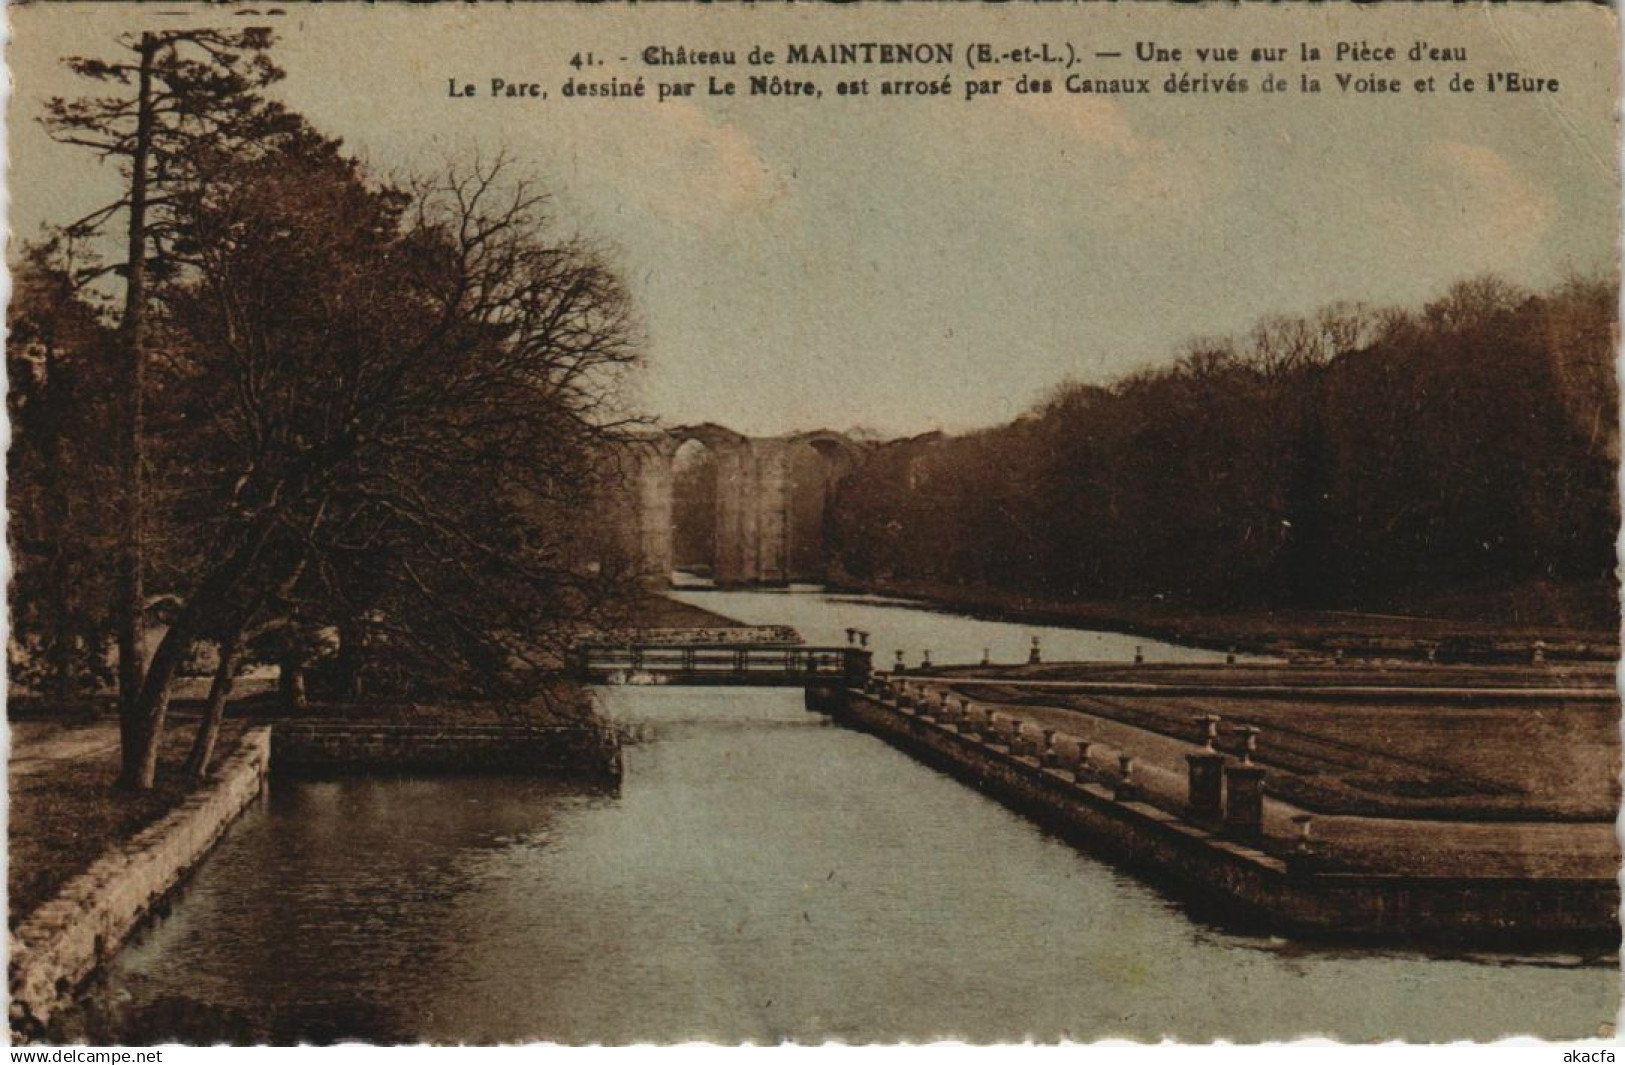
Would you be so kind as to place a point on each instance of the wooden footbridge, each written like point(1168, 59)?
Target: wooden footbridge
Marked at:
point(758, 665)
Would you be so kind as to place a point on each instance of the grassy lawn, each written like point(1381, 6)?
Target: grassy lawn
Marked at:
point(1546, 761)
point(1577, 620)
point(660, 612)
point(1362, 675)
point(65, 815)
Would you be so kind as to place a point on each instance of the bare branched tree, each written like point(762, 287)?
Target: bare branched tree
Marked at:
point(397, 400)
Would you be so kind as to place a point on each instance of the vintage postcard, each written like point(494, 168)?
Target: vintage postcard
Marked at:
point(786, 523)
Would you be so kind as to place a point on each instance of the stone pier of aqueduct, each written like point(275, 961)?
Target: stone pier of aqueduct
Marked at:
point(755, 485)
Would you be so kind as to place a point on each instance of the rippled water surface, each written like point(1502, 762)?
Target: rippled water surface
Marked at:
point(761, 876)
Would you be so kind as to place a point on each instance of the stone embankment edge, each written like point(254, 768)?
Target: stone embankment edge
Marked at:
point(1474, 647)
point(61, 944)
point(340, 747)
point(1237, 883)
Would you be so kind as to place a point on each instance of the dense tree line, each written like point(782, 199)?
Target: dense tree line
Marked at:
point(364, 420)
point(61, 483)
point(1352, 458)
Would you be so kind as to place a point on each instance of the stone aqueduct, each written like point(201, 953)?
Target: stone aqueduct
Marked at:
point(754, 495)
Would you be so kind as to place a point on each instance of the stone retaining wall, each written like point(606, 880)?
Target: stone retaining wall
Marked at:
point(59, 946)
point(324, 747)
point(1238, 881)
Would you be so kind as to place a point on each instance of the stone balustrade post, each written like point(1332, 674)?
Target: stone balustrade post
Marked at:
point(1125, 790)
point(931, 704)
point(1305, 824)
point(1081, 765)
point(1210, 729)
point(1047, 756)
point(1304, 860)
point(1249, 742)
point(857, 668)
point(1244, 802)
point(1204, 799)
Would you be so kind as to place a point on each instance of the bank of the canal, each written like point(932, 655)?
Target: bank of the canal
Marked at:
point(1224, 858)
point(1572, 626)
point(760, 875)
point(118, 872)
point(61, 943)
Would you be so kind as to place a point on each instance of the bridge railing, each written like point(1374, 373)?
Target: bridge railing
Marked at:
point(734, 663)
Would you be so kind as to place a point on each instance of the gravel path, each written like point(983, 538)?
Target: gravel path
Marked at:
point(37, 746)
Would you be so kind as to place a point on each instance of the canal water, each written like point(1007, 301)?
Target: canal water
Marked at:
point(898, 625)
point(760, 876)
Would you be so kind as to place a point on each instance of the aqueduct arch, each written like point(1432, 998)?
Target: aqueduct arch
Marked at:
point(755, 490)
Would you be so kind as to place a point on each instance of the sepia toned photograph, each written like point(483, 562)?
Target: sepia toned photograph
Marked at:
point(772, 524)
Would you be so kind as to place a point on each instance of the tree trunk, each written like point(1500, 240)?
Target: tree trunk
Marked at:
point(230, 649)
point(350, 659)
point(208, 600)
point(131, 595)
point(208, 731)
point(153, 704)
point(291, 683)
